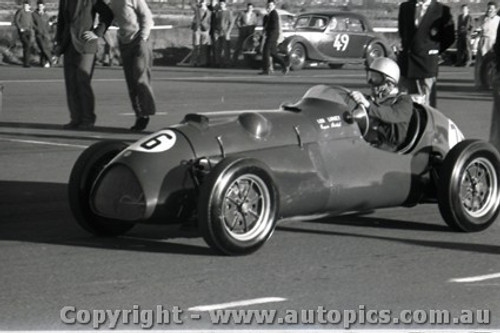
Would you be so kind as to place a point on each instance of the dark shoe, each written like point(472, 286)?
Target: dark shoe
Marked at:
point(71, 125)
point(140, 124)
point(285, 70)
point(85, 126)
point(266, 73)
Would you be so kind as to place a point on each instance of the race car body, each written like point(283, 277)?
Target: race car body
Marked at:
point(237, 173)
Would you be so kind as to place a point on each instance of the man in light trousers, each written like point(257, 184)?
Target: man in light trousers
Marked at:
point(134, 20)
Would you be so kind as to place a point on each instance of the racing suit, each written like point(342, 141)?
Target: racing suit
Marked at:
point(389, 120)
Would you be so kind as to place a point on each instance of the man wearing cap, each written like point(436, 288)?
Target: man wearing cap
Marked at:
point(42, 34)
point(135, 20)
point(24, 24)
point(390, 111)
point(76, 38)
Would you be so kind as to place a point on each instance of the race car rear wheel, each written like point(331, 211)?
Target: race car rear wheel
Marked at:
point(238, 206)
point(83, 175)
point(297, 57)
point(469, 183)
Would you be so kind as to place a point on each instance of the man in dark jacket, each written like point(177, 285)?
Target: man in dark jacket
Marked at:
point(42, 33)
point(464, 31)
point(271, 35)
point(426, 29)
point(76, 38)
point(23, 21)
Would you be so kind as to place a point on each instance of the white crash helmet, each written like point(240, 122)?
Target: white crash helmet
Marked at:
point(387, 67)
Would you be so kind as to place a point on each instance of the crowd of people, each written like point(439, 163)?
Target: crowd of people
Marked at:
point(39, 24)
point(212, 26)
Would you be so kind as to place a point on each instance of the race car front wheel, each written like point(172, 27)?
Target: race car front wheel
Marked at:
point(238, 206)
point(469, 183)
point(83, 175)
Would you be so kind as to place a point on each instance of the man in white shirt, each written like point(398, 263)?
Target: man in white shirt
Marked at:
point(134, 20)
point(489, 26)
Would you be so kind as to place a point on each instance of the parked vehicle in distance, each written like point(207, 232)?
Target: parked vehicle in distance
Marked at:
point(332, 37)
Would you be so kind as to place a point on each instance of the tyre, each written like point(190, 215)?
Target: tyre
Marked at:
point(374, 51)
point(297, 57)
point(83, 175)
point(488, 70)
point(238, 206)
point(468, 193)
point(251, 51)
point(253, 61)
point(335, 66)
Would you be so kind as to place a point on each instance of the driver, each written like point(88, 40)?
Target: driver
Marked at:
point(390, 111)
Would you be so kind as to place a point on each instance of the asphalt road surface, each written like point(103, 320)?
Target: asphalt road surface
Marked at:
point(376, 267)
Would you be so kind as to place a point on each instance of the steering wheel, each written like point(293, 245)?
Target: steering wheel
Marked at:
point(359, 114)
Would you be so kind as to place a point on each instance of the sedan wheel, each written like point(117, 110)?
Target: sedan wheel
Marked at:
point(297, 57)
point(469, 195)
point(375, 51)
point(238, 206)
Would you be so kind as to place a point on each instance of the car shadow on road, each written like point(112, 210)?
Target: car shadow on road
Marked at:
point(38, 212)
point(376, 222)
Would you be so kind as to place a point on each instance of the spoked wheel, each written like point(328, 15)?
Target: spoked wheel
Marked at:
point(238, 206)
point(83, 175)
point(469, 186)
point(297, 57)
point(375, 51)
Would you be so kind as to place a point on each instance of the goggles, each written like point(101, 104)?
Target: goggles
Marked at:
point(375, 78)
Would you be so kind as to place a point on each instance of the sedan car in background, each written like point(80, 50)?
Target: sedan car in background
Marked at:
point(332, 37)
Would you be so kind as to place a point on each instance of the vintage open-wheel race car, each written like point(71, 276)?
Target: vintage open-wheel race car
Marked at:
point(235, 174)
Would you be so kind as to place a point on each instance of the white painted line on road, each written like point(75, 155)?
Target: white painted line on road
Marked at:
point(476, 278)
point(47, 143)
point(247, 302)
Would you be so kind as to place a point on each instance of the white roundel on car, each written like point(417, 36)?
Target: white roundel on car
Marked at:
point(155, 143)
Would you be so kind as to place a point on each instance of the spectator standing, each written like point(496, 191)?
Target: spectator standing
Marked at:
point(246, 23)
point(272, 32)
point(495, 118)
point(201, 34)
point(42, 34)
point(488, 30)
point(464, 31)
point(222, 34)
point(426, 29)
point(76, 38)
point(23, 20)
point(135, 20)
point(214, 8)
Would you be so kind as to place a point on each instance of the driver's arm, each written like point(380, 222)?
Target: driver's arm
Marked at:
point(398, 112)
